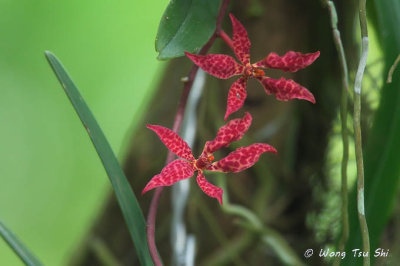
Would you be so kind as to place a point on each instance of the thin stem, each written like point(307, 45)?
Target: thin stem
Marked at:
point(357, 131)
point(343, 118)
point(226, 38)
point(151, 218)
point(396, 62)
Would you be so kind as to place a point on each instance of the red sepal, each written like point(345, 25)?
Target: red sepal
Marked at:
point(218, 65)
point(232, 131)
point(240, 41)
point(286, 89)
point(242, 158)
point(236, 96)
point(208, 188)
point(170, 174)
point(173, 142)
point(291, 61)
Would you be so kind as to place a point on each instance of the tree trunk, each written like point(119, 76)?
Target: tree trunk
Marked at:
point(298, 129)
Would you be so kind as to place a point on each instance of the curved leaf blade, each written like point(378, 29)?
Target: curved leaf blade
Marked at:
point(186, 25)
point(19, 248)
point(126, 199)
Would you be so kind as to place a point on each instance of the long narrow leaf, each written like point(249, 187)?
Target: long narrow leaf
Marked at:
point(127, 201)
point(19, 248)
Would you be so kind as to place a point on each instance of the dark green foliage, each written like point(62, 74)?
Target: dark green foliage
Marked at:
point(186, 26)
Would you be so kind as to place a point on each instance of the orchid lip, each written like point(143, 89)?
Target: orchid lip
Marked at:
point(258, 72)
point(252, 71)
point(248, 70)
point(203, 162)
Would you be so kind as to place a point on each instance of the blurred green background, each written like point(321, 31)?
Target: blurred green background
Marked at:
point(52, 183)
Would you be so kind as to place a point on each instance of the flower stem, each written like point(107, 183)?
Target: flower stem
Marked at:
point(343, 118)
point(357, 131)
point(151, 218)
point(226, 38)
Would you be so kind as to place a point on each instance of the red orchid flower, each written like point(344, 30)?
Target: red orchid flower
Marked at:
point(224, 66)
point(236, 161)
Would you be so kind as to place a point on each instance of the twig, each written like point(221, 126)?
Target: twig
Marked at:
point(343, 118)
point(357, 131)
point(392, 68)
point(151, 218)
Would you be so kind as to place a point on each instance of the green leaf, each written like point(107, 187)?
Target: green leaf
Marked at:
point(186, 25)
point(127, 201)
point(381, 156)
point(19, 248)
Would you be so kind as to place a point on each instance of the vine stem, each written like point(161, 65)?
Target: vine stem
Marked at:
point(343, 117)
point(151, 218)
point(357, 131)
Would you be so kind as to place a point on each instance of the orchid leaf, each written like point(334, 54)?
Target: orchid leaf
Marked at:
point(19, 248)
point(126, 198)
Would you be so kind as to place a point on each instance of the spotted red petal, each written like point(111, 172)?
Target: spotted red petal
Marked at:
point(286, 89)
point(236, 96)
point(291, 61)
point(218, 65)
point(240, 40)
point(232, 131)
point(173, 142)
point(242, 158)
point(208, 188)
point(170, 174)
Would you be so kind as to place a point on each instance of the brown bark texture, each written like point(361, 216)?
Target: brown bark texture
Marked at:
point(282, 196)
